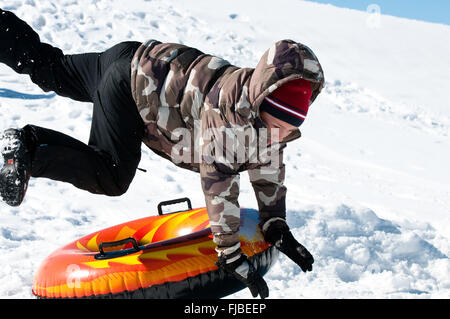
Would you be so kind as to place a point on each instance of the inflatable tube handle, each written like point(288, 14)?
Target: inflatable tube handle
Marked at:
point(118, 243)
point(174, 201)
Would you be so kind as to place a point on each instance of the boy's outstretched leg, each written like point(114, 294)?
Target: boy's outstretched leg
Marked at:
point(19, 44)
point(75, 76)
point(22, 50)
point(107, 164)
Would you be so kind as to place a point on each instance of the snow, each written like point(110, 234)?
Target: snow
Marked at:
point(368, 182)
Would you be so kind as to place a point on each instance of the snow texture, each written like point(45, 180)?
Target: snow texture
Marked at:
point(368, 183)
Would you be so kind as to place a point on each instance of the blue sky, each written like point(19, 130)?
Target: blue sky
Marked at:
point(437, 11)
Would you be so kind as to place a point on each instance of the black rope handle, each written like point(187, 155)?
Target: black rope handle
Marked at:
point(118, 243)
point(174, 201)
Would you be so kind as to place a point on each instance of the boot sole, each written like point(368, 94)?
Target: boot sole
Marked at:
point(13, 175)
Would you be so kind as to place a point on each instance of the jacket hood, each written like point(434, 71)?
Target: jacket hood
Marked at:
point(285, 61)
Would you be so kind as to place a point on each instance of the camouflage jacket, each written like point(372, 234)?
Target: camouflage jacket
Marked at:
point(202, 113)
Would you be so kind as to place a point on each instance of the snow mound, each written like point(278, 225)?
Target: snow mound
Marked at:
point(359, 255)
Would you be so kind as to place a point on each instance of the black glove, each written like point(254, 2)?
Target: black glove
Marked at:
point(279, 235)
point(244, 271)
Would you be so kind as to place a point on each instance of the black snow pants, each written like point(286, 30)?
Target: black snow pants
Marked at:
point(108, 163)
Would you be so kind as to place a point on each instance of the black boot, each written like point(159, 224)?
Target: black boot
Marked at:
point(19, 44)
point(15, 173)
point(277, 233)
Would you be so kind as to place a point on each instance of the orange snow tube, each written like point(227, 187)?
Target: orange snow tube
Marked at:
point(166, 256)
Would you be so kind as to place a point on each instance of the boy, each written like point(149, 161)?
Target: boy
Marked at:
point(193, 109)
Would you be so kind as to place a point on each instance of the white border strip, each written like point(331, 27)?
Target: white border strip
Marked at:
point(285, 108)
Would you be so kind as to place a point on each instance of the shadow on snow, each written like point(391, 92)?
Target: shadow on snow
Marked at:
point(24, 96)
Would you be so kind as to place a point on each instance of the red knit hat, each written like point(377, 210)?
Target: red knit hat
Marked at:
point(290, 102)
